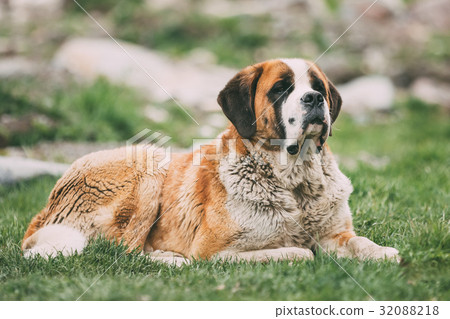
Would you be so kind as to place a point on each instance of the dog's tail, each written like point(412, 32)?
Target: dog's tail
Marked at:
point(52, 239)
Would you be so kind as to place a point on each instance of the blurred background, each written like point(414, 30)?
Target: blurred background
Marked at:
point(67, 88)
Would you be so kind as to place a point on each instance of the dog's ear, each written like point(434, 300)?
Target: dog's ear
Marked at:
point(335, 102)
point(237, 100)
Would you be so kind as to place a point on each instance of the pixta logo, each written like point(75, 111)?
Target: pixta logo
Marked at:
point(218, 149)
point(145, 151)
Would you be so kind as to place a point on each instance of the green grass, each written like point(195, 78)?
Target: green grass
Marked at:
point(404, 205)
point(44, 111)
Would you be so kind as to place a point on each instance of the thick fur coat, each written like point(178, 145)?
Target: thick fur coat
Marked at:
point(267, 187)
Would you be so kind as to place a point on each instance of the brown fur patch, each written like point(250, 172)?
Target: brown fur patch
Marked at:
point(97, 183)
point(193, 219)
point(274, 71)
point(344, 237)
point(264, 113)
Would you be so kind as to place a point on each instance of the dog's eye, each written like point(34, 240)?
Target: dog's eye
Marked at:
point(278, 88)
point(319, 87)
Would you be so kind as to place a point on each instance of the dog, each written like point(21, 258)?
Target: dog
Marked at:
point(253, 194)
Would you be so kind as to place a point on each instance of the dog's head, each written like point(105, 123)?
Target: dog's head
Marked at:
point(289, 99)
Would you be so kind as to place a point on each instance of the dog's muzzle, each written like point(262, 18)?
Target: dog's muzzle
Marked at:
point(313, 103)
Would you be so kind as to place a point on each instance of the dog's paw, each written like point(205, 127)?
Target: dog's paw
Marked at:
point(363, 248)
point(167, 257)
point(383, 253)
point(175, 261)
point(388, 253)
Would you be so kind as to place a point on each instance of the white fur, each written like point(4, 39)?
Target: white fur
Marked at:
point(264, 200)
point(167, 257)
point(291, 206)
point(292, 108)
point(52, 239)
point(363, 248)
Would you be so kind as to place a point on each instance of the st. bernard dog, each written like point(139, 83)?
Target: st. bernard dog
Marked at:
point(246, 196)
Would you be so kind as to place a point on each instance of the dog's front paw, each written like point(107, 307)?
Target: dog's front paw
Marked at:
point(363, 248)
point(388, 253)
point(167, 257)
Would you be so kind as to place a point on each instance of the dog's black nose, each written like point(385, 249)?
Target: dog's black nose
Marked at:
point(292, 149)
point(312, 99)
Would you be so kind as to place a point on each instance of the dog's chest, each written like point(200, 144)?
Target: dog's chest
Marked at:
point(270, 212)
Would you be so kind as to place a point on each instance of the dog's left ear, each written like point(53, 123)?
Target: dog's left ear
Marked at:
point(335, 102)
point(237, 100)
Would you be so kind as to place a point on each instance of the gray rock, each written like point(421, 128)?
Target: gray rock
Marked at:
point(14, 169)
point(432, 91)
point(249, 7)
point(217, 120)
point(15, 66)
point(432, 12)
point(156, 75)
point(156, 114)
point(207, 132)
point(227, 8)
point(62, 152)
point(367, 94)
point(25, 11)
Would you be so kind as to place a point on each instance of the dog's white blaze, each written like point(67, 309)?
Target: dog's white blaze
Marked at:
point(292, 109)
point(51, 239)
